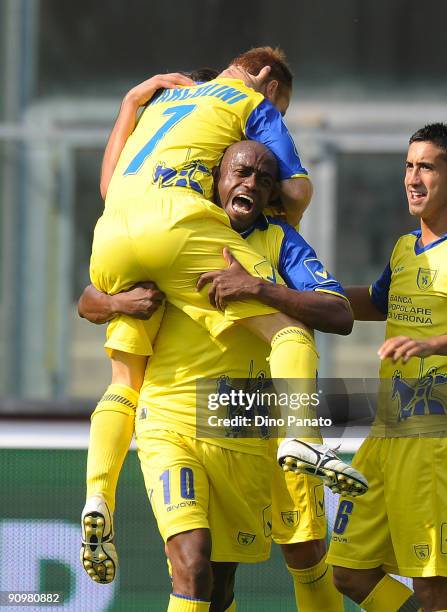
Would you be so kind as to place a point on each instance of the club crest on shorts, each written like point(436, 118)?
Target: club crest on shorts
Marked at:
point(291, 518)
point(245, 538)
point(425, 278)
point(422, 551)
point(444, 538)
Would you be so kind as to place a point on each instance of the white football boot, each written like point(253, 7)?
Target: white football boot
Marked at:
point(321, 461)
point(98, 552)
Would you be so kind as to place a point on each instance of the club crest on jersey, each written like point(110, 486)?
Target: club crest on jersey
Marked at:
point(190, 175)
point(266, 271)
point(422, 551)
point(317, 271)
point(245, 539)
point(290, 518)
point(418, 399)
point(425, 278)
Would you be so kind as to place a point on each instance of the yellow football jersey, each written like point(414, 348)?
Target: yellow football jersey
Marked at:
point(183, 133)
point(412, 291)
point(184, 352)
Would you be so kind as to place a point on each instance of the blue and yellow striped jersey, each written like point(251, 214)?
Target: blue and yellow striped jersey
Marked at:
point(184, 351)
point(183, 133)
point(412, 292)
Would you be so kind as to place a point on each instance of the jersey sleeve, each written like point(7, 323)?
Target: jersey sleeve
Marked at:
point(300, 267)
point(265, 125)
point(380, 289)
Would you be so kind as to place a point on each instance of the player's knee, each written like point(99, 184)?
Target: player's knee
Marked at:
point(192, 574)
point(128, 369)
point(196, 573)
point(223, 585)
point(345, 581)
point(431, 592)
point(304, 554)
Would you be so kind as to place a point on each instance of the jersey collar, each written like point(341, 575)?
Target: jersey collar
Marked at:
point(261, 223)
point(418, 249)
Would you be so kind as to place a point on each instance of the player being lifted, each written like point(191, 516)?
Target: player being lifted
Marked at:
point(228, 478)
point(400, 526)
point(159, 224)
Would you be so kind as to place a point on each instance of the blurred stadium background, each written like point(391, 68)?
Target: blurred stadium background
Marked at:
point(368, 73)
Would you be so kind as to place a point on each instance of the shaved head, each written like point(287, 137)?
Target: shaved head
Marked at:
point(251, 147)
point(246, 182)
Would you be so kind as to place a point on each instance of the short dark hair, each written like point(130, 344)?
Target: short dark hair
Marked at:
point(258, 57)
point(199, 75)
point(203, 75)
point(436, 133)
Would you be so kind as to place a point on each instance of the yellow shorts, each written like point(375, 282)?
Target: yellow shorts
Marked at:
point(298, 509)
point(192, 484)
point(133, 336)
point(400, 524)
point(171, 239)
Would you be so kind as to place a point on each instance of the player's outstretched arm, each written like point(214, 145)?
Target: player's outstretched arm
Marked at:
point(404, 347)
point(140, 302)
point(125, 123)
point(322, 311)
point(363, 307)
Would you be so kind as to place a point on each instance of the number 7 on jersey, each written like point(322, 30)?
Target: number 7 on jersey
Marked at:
point(177, 114)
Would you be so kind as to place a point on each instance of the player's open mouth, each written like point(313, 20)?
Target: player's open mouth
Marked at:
point(242, 204)
point(416, 196)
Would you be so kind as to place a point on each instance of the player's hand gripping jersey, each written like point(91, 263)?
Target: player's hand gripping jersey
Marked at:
point(182, 135)
point(412, 291)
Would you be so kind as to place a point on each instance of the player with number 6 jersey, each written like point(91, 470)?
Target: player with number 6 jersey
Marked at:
point(400, 526)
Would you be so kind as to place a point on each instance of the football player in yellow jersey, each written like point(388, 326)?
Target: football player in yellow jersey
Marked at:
point(157, 222)
point(168, 403)
point(400, 526)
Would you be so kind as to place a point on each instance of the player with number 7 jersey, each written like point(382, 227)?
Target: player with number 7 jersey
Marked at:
point(159, 221)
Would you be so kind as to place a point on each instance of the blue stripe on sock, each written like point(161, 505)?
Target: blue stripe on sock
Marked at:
point(189, 598)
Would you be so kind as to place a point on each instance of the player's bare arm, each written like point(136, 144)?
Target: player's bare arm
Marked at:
point(296, 194)
point(127, 118)
point(364, 309)
point(322, 311)
point(140, 302)
point(404, 347)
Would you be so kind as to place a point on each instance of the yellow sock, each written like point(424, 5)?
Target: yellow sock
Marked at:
point(181, 603)
point(293, 356)
point(390, 595)
point(111, 431)
point(232, 608)
point(314, 589)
